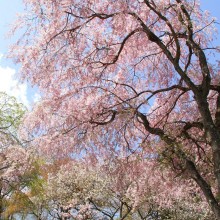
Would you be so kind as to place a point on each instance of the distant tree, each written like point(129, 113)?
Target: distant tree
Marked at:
point(28, 194)
point(125, 77)
point(13, 158)
point(20, 182)
point(11, 113)
point(123, 189)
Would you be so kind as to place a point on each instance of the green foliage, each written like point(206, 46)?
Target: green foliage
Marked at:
point(27, 194)
point(11, 113)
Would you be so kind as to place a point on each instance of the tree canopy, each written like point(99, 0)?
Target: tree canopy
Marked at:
point(125, 78)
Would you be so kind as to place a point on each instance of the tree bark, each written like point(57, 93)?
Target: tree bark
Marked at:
point(189, 166)
point(205, 187)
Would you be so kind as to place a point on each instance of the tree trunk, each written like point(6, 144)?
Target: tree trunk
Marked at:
point(213, 203)
point(212, 133)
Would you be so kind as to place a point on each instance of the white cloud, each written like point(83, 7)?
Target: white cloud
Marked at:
point(10, 85)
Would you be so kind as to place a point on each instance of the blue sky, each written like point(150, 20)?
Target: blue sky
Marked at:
point(8, 81)
point(8, 11)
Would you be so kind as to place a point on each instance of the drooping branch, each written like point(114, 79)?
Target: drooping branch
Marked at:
point(154, 38)
point(122, 46)
point(105, 122)
point(189, 164)
point(174, 34)
point(197, 50)
point(205, 187)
